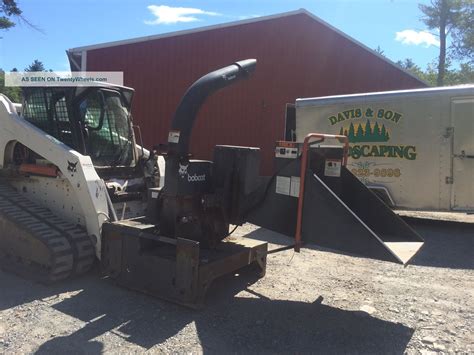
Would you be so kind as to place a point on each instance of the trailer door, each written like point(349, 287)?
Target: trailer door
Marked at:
point(462, 115)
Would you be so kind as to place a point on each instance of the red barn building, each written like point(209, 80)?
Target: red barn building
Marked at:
point(298, 55)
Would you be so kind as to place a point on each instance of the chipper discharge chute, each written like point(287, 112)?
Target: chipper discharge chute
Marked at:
point(71, 165)
point(316, 199)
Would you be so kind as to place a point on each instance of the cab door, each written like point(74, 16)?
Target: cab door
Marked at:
point(462, 118)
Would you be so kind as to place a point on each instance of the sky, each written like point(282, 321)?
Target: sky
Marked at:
point(393, 25)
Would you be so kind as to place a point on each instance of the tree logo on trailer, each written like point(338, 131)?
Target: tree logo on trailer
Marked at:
point(373, 130)
point(365, 132)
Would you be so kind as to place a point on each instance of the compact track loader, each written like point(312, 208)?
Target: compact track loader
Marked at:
point(76, 187)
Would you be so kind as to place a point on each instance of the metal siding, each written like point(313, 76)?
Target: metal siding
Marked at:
point(297, 57)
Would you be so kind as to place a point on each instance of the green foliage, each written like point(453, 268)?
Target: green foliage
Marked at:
point(455, 18)
point(35, 66)
point(463, 35)
point(442, 13)
point(409, 64)
point(13, 93)
point(8, 8)
point(359, 131)
point(351, 134)
point(463, 75)
point(380, 51)
point(384, 133)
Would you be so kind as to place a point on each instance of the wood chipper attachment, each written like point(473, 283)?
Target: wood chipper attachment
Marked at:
point(184, 242)
point(316, 199)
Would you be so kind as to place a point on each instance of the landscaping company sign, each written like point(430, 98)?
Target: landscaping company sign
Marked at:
point(366, 129)
point(372, 133)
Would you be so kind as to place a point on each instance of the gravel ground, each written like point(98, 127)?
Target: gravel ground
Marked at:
point(315, 301)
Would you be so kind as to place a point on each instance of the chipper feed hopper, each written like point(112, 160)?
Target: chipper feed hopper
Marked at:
point(182, 240)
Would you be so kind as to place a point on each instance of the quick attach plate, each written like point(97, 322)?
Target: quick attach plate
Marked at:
point(177, 270)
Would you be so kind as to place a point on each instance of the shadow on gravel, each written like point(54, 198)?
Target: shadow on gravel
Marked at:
point(17, 291)
point(229, 323)
point(447, 244)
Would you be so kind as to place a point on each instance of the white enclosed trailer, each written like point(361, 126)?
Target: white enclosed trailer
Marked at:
point(414, 147)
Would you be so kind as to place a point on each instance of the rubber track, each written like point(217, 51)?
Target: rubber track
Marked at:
point(72, 252)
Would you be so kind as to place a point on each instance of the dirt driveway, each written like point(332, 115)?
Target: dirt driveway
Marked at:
point(315, 301)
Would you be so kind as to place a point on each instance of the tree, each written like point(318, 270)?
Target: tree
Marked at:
point(409, 65)
point(359, 136)
point(351, 134)
point(376, 131)
point(12, 92)
point(463, 75)
point(368, 130)
point(444, 16)
point(463, 35)
point(379, 51)
point(35, 66)
point(430, 75)
point(8, 8)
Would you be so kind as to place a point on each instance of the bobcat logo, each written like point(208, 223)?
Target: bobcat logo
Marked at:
point(71, 166)
point(183, 170)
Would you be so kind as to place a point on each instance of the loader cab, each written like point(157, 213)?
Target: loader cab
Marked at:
point(104, 119)
point(94, 121)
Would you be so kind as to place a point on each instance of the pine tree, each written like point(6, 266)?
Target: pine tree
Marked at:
point(351, 133)
point(448, 16)
point(8, 9)
point(383, 134)
point(35, 66)
point(360, 134)
point(341, 131)
point(368, 132)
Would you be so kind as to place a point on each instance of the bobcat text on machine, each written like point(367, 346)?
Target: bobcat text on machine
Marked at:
point(70, 162)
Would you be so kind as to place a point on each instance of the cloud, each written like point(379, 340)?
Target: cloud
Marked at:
point(166, 15)
point(417, 38)
point(246, 17)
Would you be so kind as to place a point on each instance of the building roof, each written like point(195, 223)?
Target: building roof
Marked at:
point(80, 50)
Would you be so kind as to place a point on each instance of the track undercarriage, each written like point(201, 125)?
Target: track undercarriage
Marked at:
point(37, 244)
